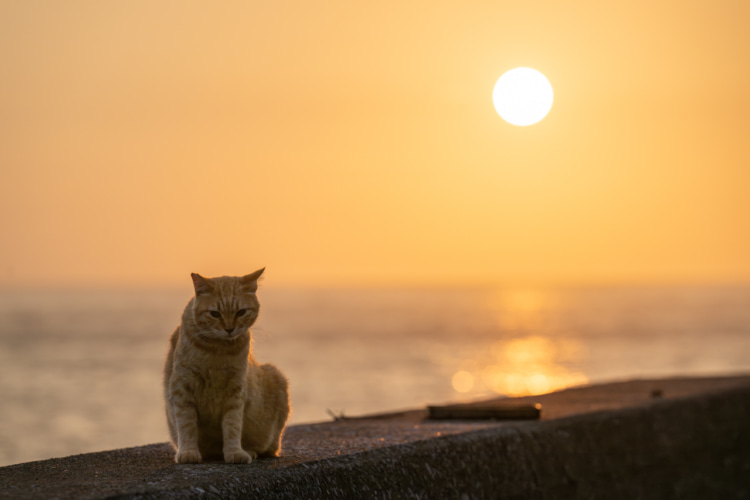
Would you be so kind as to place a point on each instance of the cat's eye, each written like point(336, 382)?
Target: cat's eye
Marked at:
point(241, 312)
point(215, 314)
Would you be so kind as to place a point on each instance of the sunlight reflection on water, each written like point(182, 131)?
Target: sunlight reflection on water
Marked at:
point(526, 363)
point(82, 371)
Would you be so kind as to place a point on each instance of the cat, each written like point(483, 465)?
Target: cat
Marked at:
point(220, 402)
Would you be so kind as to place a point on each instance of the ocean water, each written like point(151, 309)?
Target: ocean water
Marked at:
point(80, 371)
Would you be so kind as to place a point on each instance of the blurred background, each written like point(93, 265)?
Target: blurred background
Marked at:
point(418, 248)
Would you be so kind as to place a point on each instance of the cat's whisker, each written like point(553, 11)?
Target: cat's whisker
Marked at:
point(260, 332)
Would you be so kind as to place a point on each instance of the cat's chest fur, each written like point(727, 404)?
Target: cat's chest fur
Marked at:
point(213, 384)
point(214, 377)
point(217, 388)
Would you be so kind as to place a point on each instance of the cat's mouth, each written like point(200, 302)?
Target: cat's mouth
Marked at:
point(224, 335)
point(231, 335)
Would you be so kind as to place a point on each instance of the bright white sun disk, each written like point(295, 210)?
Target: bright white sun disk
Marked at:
point(522, 96)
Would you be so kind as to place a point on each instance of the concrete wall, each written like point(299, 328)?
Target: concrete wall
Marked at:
point(685, 447)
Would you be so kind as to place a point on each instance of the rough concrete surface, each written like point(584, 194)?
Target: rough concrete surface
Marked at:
point(669, 438)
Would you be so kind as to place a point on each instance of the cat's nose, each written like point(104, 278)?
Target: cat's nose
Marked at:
point(229, 330)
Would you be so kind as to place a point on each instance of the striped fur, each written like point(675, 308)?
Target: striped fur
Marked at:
point(220, 402)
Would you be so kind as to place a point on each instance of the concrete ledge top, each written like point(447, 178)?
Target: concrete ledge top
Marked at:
point(327, 458)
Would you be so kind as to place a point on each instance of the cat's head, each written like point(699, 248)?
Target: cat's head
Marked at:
point(226, 307)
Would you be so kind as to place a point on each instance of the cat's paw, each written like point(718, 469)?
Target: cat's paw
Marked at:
point(188, 457)
point(238, 456)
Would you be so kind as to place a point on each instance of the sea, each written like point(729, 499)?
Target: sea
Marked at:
point(81, 370)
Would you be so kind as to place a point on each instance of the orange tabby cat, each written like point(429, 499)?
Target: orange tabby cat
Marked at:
point(220, 401)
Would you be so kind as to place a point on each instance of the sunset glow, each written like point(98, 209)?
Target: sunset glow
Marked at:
point(300, 138)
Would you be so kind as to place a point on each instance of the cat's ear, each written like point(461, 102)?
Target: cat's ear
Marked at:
point(250, 281)
point(201, 285)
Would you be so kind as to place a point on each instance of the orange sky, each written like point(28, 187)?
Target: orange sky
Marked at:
point(356, 142)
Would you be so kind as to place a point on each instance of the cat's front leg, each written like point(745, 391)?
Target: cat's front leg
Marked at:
point(231, 427)
point(186, 422)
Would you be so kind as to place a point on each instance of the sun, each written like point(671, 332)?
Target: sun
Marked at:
point(522, 96)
